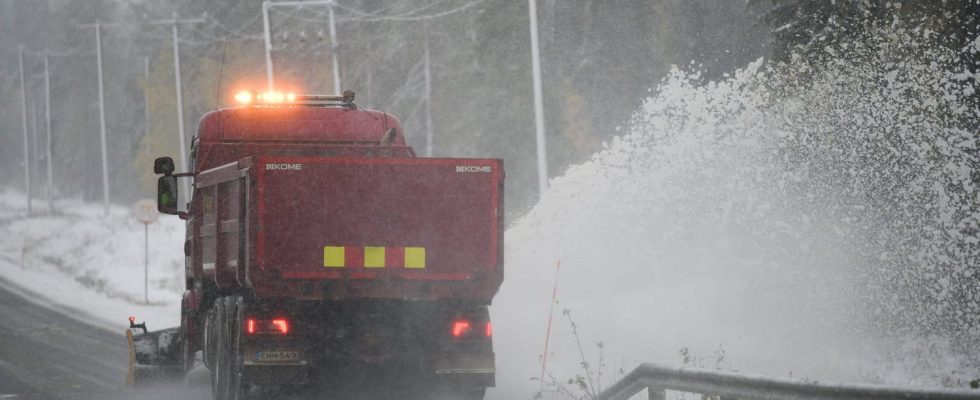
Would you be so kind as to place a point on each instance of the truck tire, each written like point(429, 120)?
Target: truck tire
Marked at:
point(218, 351)
point(237, 384)
point(186, 354)
point(208, 339)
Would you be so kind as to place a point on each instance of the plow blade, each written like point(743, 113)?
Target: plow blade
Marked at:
point(153, 357)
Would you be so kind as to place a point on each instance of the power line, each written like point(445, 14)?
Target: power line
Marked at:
point(398, 94)
point(440, 15)
point(229, 34)
point(267, 30)
point(60, 53)
point(369, 17)
point(237, 32)
point(184, 39)
point(378, 11)
point(213, 41)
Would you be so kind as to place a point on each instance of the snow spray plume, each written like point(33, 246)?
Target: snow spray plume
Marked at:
point(885, 132)
point(803, 216)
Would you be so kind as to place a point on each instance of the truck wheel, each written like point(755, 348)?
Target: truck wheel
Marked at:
point(237, 384)
point(219, 353)
point(186, 354)
point(207, 340)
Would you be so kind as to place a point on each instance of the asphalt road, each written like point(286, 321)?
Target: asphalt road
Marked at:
point(44, 354)
point(48, 354)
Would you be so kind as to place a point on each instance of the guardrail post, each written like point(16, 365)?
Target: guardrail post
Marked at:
point(654, 393)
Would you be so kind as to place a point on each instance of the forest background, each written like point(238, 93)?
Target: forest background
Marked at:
point(600, 59)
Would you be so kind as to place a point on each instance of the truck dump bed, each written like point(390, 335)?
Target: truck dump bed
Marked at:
point(354, 228)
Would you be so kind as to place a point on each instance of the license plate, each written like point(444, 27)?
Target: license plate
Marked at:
point(277, 356)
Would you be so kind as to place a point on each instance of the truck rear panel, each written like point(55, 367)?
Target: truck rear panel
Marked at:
point(322, 254)
point(404, 228)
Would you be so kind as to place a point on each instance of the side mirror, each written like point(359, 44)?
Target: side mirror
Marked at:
point(163, 165)
point(167, 193)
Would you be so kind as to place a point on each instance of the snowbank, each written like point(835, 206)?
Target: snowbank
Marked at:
point(90, 265)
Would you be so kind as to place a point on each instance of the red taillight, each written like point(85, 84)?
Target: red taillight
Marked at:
point(277, 326)
point(488, 330)
point(282, 325)
point(461, 328)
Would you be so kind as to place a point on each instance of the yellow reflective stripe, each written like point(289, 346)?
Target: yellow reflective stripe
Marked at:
point(333, 256)
point(415, 257)
point(374, 257)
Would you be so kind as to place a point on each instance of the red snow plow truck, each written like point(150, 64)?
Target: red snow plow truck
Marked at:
point(323, 256)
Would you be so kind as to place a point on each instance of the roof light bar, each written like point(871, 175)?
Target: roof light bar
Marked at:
point(244, 97)
point(247, 98)
point(347, 97)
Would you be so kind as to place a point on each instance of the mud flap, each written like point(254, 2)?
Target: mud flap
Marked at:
point(153, 357)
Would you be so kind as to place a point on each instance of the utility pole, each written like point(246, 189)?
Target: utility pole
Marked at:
point(49, 152)
point(146, 94)
point(105, 157)
point(34, 145)
point(268, 46)
point(532, 10)
point(266, 5)
point(369, 85)
point(23, 114)
point(102, 134)
point(428, 99)
point(333, 51)
point(180, 98)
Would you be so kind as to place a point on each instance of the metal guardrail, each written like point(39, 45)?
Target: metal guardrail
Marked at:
point(729, 385)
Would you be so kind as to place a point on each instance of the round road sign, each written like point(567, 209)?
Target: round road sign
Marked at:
point(146, 211)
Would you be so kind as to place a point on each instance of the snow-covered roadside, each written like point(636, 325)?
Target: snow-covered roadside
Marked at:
point(88, 265)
